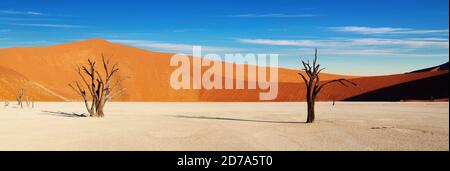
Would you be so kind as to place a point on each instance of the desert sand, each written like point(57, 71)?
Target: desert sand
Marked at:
point(228, 126)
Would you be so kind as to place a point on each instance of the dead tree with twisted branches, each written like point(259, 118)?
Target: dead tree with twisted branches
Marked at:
point(20, 97)
point(97, 86)
point(313, 85)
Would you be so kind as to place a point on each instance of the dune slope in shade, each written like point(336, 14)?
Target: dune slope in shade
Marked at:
point(442, 67)
point(430, 88)
point(367, 85)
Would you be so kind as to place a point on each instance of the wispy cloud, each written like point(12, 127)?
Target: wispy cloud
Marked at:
point(307, 43)
point(420, 42)
point(189, 30)
point(49, 25)
point(26, 19)
point(37, 42)
point(385, 30)
point(272, 15)
point(369, 53)
point(366, 47)
point(20, 12)
point(173, 47)
point(4, 30)
point(430, 39)
point(2, 39)
point(401, 42)
point(372, 53)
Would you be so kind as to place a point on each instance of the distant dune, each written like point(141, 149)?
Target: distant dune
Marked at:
point(45, 72)
point(443, 67)
point(11, 82)
point(401, 87)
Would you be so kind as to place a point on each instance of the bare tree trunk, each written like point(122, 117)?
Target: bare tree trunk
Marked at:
point(97, 85)
point(100, 111)
point(27, 102)
point(99, 108)
point(311, 115)
point(20, 95)
point(313, 86)
point(91, 113)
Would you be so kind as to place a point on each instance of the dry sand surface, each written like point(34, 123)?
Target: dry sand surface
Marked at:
point(228, 126)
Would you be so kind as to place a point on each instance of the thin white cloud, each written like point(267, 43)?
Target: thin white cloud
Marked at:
point(26, 19)
point(367, 30)
point(422, 32)
point(50, 25)
point(380, 52)
point(307, 43)
point(189, 30)
point(369, 52)
point(362, 47)
point(20, 43)
point(20, 12)
point(272, 15)
point(441, 43)
point(430, 39)
point(173, 47)
point(37, 42)
point(385, 30)
point(401, 42)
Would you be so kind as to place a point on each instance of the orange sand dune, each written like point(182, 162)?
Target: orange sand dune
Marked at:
point(412, 86)
point(146, 73)
point(11, 82)
point(435, 68)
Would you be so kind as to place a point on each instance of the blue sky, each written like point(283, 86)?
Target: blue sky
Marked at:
point(364, 37)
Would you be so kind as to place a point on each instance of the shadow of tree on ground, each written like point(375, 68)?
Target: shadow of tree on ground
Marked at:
point(64, 114)
point(237, 119)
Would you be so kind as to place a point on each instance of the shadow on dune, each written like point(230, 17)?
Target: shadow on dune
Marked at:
point(424, 89)
point(236, 119)
point(435, 68)
point(64, 114)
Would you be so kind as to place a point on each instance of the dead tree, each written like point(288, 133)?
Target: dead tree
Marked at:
point(313, 85)
point(31, 101)
point(20, 97)
point(97, 85)
point(27, 101)
point(6, 103)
